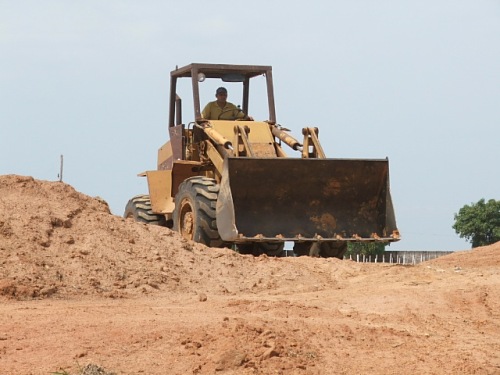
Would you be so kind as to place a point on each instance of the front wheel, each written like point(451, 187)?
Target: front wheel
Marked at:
point(321, 249)
point(333, 249)
point(259, 248)
point(194, 214)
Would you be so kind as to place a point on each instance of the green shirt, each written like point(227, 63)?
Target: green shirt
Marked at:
point(212, 111)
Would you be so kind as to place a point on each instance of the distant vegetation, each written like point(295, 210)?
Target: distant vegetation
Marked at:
point(365, 248)
point(479, 223)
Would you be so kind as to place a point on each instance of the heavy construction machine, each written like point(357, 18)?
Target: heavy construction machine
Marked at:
point(232, 183)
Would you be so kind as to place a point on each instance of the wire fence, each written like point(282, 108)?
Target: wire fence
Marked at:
point(398, 257)
point(392, 257)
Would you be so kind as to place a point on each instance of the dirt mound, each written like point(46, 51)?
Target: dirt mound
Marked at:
point(479, 257)
point(79, 285)
point(57, 242)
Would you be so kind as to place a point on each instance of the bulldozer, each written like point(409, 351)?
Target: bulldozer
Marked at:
point(252, 186)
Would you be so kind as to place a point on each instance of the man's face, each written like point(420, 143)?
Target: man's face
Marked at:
point(221, 97)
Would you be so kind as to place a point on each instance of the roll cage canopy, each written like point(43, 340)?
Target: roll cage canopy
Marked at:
point(227, 73)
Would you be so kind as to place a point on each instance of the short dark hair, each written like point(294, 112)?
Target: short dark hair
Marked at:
point(221, 90)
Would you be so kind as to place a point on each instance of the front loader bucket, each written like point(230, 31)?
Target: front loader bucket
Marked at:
point(285, 199)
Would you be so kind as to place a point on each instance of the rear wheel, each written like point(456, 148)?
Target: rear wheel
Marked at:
point(194, 214)
point(139, 209)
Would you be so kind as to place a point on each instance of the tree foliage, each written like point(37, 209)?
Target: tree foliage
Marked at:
point(479, 223)
point(366, 248)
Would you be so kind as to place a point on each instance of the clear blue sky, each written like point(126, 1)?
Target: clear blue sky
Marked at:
point(415, 81)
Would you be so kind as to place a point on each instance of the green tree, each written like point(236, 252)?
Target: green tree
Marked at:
point(366, 248)
point(479, 223)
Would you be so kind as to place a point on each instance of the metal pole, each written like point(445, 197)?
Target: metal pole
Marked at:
point(61, 170)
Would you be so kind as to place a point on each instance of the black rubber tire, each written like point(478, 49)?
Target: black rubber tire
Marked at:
point(194, 214)
point(333, 249)
point(259, 248)
point(301, 248)
point(139, 209)
point(326, 250)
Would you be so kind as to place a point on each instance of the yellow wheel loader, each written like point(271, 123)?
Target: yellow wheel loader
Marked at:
point(232, 183)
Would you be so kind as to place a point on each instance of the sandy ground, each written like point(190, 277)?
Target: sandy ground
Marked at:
point(86, 292)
